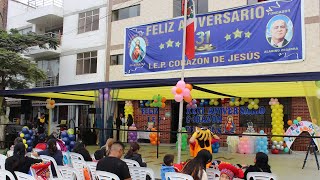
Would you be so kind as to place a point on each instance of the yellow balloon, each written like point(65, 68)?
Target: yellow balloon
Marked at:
point(299, 118)
point(24, 141)
point(21, 135)
point(256, 106)
point(26, 145)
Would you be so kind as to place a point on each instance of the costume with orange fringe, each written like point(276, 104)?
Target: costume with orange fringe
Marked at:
point(230, 170)
point(203, 138)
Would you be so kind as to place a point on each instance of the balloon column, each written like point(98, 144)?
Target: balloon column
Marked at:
point(184, 139)
point(68, 138)
point(132, 135)
point(318, 90)
point(153, 137)
point(28, 138)
point(214, 102)
point(262, 144)
point(245, 146)
point(277, 125)
point(128, 109)
point(253, 104)
point(104, 94)
point(182, 91)
point(50, 104)
point(215, 147)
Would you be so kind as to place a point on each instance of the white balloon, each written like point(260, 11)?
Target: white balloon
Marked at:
point(275, 143)
point(273, 146)
point(281, 148)
point(281, 143)
point(278, 146)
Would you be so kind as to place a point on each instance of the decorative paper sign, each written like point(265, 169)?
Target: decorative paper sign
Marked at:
point(303, 126)
point(270, 32)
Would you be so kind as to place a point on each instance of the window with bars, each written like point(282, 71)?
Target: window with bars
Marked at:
point(88, 21)
point(264, 120)
point(125, 13)
point(116, 59)
point(25, 30)
point(201, 6)
point(86, 63)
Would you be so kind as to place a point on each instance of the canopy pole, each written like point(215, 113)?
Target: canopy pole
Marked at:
point(182, 78)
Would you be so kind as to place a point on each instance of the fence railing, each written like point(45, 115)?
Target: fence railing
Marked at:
point(49, 82)
point(41, 3)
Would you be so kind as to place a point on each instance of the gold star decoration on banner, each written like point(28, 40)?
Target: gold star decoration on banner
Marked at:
point(178, 44)
point(247, 34)
point(228, 37)
point(161, 46)
point(237, 34)
point(169, 43)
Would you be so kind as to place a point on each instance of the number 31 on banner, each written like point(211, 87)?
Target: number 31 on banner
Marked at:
point(203, 37)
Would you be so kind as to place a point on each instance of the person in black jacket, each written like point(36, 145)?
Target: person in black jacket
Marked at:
point(80, 148)
point(134, 155)
point(261, 164)
point(129, 120)
point(19, 161)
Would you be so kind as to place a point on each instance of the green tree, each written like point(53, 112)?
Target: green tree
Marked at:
point(16, 71)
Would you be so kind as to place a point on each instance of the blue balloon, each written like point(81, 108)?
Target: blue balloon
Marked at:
point(215, 150)
point(232, 99)
point(142, 105)
point(72, 143)
point(29, 142)
point(33, 138)
point(258, 149)
point(72, 137)
point(68, 147)
point(27, 136)
point(66, 140)
point(261, 143)
point(30, 132)
point(201, 104)
point(266, 151)
point(265, 138)
point(64, 134)
point(261, 131)
point(29, 149)
point(286, 139)
point(217, 145)
point(25, 130)
point(206, 103)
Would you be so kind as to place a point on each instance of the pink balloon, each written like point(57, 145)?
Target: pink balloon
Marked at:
point(173, 90)
point(178, 97)
point(106, 97)
point(181, 84)
point(194, 106)
point(186, 92)
point(188, 106)
point(101, 97)
point(106, 90)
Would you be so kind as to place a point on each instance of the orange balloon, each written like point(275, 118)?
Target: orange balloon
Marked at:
point(163, 99)
point(155, 101)
point(153, 142)
point(163, 105)
point(189, 86)
point(153, 136)
point(178, 90)
point(187, 98)
point(153, 129)
point(289, 122)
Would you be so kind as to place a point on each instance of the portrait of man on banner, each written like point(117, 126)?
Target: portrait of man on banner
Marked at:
point(279, 31)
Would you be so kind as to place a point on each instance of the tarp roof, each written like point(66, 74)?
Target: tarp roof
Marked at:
point(275, 85)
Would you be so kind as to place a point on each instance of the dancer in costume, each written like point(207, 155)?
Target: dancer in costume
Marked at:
point(203, 138)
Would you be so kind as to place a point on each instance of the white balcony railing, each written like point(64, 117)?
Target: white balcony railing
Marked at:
point(40, 3)
point(49, 82)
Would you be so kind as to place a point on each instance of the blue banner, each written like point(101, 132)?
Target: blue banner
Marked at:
point(270, 32)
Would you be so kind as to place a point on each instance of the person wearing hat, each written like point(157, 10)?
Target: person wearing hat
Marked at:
point(228, 172)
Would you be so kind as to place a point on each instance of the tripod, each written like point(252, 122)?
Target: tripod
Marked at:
point(312, 146)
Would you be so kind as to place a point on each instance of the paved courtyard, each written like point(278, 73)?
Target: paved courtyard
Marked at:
point(285, 166)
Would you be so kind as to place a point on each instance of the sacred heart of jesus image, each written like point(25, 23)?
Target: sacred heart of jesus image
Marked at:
point(137, 49)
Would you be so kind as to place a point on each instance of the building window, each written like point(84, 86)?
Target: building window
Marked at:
point(25, 30)
point(201, 6)
point(116, 59)
point(125, 13)
point(87, 63)
point(264, 120)
point(88, 21)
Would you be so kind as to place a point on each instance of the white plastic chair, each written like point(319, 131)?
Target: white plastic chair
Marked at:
point(76, 156)
point(178, 176)
point(79, 165)
point(141, 173)
point(103, 175)
point(4, 174)
point(92, 167)
point(69, 173)
point(131, 163)
point(213, 173)
point(2, 161)
point(23, 176)
point(53, 163)
point(261, 176)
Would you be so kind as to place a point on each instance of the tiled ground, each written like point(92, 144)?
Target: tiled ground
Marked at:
point(285, 166)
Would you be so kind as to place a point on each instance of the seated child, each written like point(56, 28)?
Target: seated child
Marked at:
point(167, 165)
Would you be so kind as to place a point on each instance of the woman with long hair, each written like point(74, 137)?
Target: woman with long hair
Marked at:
point(80, 148)
point(19, 161)
point(134, 155)
point(130, 120)
point(260, 164)
point(197, 166)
